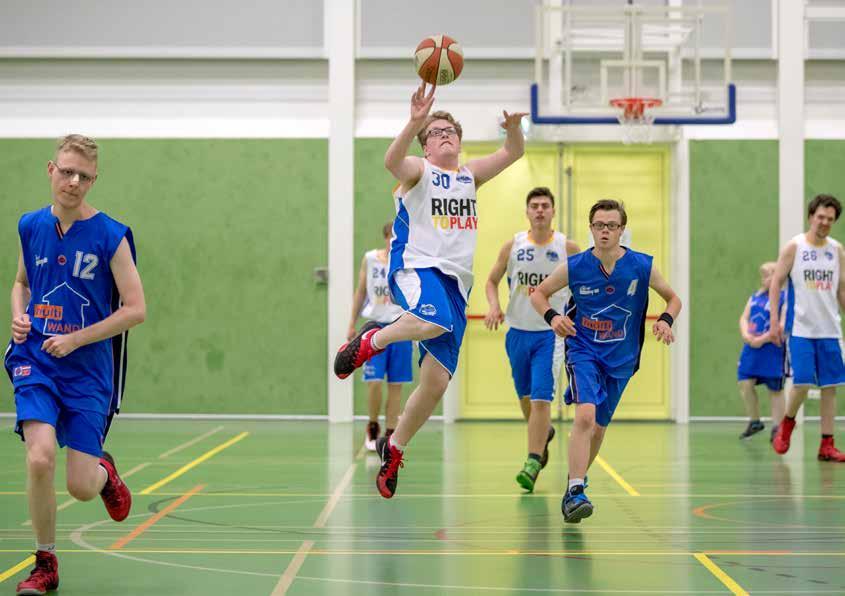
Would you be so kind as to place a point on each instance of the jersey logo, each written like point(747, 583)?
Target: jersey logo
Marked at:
point(610, 324)
point(41, 261)
point(64, 312)
point(552, 256)
point(22, 371)
point(61, 260)
point(829, 255)
point(463, 178)
point(609, 290)
point(428, 310)
point(585, 291)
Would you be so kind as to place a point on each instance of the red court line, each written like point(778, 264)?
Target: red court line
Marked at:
point(481, 317)
point(140, 529)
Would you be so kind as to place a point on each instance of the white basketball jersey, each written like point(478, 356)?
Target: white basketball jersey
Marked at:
point(436, 225)
point(379, 307)
point(813, 310)
point(529, 264)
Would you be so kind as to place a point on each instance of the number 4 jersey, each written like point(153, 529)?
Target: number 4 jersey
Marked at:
point(71, 287)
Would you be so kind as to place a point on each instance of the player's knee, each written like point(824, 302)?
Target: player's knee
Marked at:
point(81, 489)
point(584, 422)
point(40, 462)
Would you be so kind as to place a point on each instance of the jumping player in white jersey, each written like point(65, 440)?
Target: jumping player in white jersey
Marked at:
point(431, 257)
point(604, 327)
point(76, 292)
point(761, 362)
point(812, 262)
point(534, 351)
point(372, 301)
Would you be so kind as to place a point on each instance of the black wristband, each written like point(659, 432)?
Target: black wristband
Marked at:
point(667, 318)
point(550, 314)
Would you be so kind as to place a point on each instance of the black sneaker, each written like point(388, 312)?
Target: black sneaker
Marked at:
point(373, 430)
point(752, 429)
point(391, 461)
point(354, 353)
point(575, 505)
point(544, 458)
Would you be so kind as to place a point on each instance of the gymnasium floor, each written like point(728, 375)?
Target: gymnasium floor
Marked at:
point(263, 507)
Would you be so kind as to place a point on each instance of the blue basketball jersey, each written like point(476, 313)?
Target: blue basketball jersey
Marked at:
point(609, 311)
point(767, 361)
point(71, 288)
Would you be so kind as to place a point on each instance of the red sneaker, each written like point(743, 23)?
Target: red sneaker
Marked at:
point(44, 577)
point(355, 353)
point(781, 439)
point(391, 461)
point(827, 452)
point(115, 493)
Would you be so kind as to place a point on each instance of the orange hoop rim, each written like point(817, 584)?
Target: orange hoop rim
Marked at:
point(635, 106)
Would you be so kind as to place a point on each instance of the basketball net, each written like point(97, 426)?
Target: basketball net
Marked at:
point(636, 122)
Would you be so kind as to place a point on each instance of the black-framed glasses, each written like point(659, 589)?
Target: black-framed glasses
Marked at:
point(439, 132)
point(598, 226)
point(69, 173)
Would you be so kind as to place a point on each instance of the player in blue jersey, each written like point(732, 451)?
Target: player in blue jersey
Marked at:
point(761, 362)
point(75, 294)
point(604, 327)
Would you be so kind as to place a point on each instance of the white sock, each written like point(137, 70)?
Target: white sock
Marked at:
point(49, 548)
point(373, 341)
point(392, 441)
point(575, 482)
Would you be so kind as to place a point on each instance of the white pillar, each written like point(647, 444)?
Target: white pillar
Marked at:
point(339, 19)
point(791, 118)
point(791, 124)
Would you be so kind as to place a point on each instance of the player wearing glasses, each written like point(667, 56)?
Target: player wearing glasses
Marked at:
point(604, 327)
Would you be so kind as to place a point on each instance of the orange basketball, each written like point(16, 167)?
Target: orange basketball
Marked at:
point(439, 59)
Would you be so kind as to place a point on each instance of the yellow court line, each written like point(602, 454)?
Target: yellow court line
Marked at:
point(193, 464)
point(30, 560)
point(613, 474)
point(723, 577)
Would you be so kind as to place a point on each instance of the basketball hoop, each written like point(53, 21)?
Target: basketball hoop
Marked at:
point(636, 122)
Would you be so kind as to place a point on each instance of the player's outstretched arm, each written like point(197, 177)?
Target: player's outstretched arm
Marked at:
point(557, 280)
point(495, 316)
point(485, 168)
point(20, 298)
point(782, 269)
point(409, 169)
point(132, 311)
point(358, 299)
point(661, 329)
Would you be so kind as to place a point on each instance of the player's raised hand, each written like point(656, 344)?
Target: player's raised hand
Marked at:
point(60, 346)
point(512, 121)
point(663, 332)
point(421, 102)
point(494, 318)
point(20, 328)
point(563, 326)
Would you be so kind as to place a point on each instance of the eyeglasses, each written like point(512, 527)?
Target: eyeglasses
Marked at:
point(598, 226)
point(439, 132)
point(69, 173)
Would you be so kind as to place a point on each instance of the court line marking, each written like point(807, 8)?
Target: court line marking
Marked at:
point(71, 501)
point(187, 444)
point(194, 463)
point(723, 577)
point(141, 528)
point(30, 560)
point(615, 475)
point(451, 553)
point(304, 549)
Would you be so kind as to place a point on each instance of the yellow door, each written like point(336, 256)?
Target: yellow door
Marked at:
point(639, 176)
point(486, 386)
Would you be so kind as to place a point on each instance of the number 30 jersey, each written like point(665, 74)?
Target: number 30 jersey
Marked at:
point(436, 225)
point(71, 287)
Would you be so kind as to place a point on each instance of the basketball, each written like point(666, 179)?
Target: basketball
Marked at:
point(439, 60)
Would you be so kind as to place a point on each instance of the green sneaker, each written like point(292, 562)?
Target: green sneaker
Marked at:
point(528, 475)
